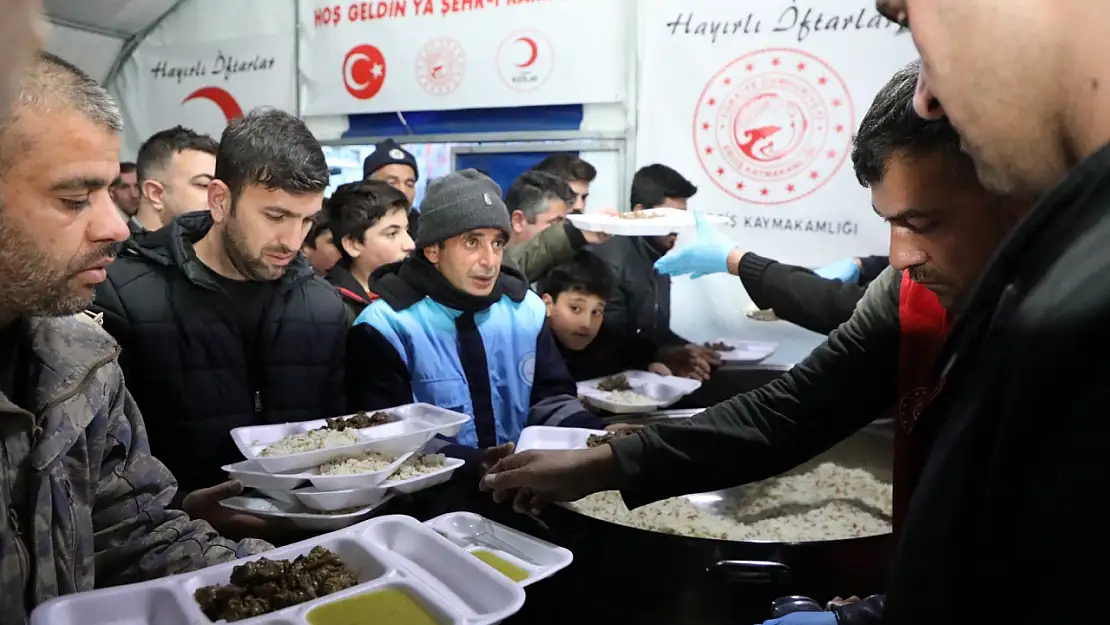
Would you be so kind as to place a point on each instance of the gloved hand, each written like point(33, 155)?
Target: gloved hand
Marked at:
point(804, 618)
point(707, 255)
point(844, 270)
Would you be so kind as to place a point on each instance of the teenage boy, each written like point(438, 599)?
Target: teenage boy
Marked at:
point(369, 221)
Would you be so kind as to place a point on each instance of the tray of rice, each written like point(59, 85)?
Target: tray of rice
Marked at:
point(635, 392)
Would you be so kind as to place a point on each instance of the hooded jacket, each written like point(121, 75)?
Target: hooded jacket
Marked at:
point(95, 507)
point(355, 298)
point(186, 361)
point(492, 358)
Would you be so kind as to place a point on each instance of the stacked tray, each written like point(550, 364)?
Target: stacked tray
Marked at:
point(397, 563)
point(645, 392)
point(293, 487)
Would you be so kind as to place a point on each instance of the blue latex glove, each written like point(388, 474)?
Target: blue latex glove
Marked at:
point(844, 270)
point(707, 255)
point(804, 618)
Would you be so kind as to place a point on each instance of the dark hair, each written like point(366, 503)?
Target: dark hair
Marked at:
point(531, 192)
point(157, 151)
point(355, 207)
point(272, 149)
point(586, 273)
point(319, 227)
point(124, 168)
point(892, 127)
point(655, 183)
point(567, 166)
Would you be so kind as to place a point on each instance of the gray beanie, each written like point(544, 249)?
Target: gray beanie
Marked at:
point(460, 202)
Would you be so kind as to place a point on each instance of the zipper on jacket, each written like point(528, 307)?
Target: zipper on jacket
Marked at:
point(40, 418)
point(258, 402)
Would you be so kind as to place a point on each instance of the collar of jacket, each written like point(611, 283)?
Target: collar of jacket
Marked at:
point(64, 354)
point(172, 246)
point(405, 283)
point(344, 281)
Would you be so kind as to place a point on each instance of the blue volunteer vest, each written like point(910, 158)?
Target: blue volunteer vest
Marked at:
point(425, 337)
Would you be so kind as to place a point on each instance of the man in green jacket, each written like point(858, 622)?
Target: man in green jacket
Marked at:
point(84, 503)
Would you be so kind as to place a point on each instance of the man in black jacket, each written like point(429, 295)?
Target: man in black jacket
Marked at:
point(944, 226)
point(223, 323)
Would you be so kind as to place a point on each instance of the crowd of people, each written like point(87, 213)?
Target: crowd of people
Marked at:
point(147, 309)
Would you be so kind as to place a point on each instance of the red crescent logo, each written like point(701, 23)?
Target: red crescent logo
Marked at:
point(535, 52)
point(221, 98)
point(364, 71)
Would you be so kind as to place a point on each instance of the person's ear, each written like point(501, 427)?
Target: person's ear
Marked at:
point(219, 201)
point(155, 193)
point(351, 246)
point(518, 221)
point(548, 303)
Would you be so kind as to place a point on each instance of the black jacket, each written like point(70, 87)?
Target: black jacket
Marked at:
point(1011, 499)
point(641, 304)
point(799, 295)
point(355, 298)
point(606, 355)
point(185, 361)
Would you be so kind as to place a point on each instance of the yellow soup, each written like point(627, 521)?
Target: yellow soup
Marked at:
point(382, 607)
point(507, 569)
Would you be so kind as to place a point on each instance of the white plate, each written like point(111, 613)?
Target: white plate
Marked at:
point(250, 474)
point(426, 480)
point(671, 221)
point(386, 552)
point(546, 437)
point(369, 479)
point(416, 425)
point(300, 516)
point(331, 500)
point(659, 392)
point(746, 351)
point(548, 558)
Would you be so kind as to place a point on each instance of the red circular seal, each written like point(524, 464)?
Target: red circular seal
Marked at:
point(773, 126)
point(441, 65)
point(364, 71)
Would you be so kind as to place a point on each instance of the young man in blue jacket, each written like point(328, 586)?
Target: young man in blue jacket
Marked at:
point(455, 328)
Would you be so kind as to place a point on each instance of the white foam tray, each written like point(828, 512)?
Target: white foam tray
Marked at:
point(327, 500)
point(746, 351)
point(663, 390)
point(671, 221)
point(416, 424)
point(387, 552)
point(549, 559)
point(300, 516)
point(546, 437)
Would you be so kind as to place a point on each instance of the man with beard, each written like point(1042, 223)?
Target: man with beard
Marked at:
point(175, 167)
point(454, 328)
point(944, 227)
point(84, 503)
point(1009, 499)
point(223, 323)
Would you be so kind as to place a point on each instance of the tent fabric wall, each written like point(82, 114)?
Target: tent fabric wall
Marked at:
point(96, 35)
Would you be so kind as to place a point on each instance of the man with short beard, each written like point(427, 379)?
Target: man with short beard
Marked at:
point(223, 322)
point(85, 504)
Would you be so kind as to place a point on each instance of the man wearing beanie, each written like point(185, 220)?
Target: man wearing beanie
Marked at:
point(455, 328)
point(395, 166)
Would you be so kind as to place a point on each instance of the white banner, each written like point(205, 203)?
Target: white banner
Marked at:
point(757, 102)
point(203, 85)
point(413, 55)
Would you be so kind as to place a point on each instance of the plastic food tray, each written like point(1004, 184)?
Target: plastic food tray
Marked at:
point(416, 424)
point(546, 437)
point(301, 516)
point(548, 559)
point(663, 391)
point(426, 480)
point(746, 351)
point(670, 221)
point(454, 587)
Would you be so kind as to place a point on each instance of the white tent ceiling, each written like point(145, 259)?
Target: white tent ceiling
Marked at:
point(98, 35)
